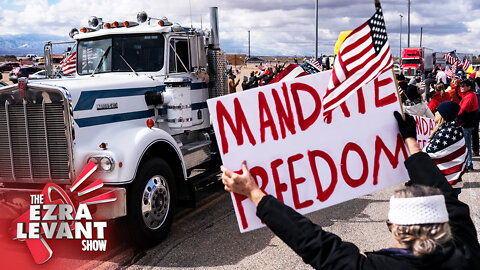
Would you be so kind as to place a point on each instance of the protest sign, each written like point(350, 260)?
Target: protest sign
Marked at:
point(299, 158)
point(425, 127)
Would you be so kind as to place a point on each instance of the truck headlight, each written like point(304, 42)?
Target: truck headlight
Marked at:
point(105, 163)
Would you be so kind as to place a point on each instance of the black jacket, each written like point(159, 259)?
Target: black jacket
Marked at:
point(324, 250)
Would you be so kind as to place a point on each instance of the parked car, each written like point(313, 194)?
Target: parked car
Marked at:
point(42, 74)
point(21, 72)
point(8, 66)
point(40, 65)
point(253, 60)
point(32, 57)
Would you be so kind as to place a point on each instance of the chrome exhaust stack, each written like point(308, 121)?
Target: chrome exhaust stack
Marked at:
point(217, 68)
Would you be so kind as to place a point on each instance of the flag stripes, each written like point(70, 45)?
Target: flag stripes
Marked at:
point(362, 57)
point(69, 64)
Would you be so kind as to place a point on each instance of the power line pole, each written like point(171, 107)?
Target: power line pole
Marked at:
point(316, 29)
point(421, 32)
point(408, 23)
point(248, 43)
point(401, 19)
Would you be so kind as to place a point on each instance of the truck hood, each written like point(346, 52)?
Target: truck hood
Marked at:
point(99, 85)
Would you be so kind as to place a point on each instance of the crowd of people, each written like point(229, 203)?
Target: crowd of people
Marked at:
point(260, 77)
point(438, 88)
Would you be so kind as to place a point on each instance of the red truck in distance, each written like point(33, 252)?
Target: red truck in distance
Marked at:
point(417, 61)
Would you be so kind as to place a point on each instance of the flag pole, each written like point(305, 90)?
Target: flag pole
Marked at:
point(398, 93)
point(377, 2)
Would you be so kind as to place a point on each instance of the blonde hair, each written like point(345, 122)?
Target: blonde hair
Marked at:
point(439, 124)
point(440, 87)
point(422, 239)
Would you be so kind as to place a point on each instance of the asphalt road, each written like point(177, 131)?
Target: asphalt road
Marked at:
point(208, 237)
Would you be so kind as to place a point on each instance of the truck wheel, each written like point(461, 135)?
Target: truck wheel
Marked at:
point(151, 202)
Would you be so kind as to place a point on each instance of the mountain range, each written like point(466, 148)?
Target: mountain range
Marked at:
point(30, 43)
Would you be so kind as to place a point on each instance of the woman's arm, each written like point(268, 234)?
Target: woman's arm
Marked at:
point(321, 249)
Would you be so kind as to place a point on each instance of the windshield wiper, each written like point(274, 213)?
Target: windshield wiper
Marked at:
point(121, 56)
point(104, 55)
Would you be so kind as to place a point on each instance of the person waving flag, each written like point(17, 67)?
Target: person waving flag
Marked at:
point(362, 57)
point(451, 57)
point(466, 64)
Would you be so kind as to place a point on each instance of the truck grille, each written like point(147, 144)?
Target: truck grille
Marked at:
point(33, 143)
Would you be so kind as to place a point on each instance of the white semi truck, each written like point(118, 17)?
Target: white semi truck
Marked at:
point(136, 107)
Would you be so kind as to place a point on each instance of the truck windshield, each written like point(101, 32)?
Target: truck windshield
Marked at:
point(410, 61)
point(142, 52)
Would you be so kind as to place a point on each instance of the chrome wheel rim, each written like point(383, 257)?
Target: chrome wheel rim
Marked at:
point(155, 202)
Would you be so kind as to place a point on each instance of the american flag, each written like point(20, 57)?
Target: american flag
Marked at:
point(88, 58)
point(422, 84)
point(466, 64)
point(448, 150)
point(453, 69)
point(362, 57)
point(310, 68)
point(451, 57)
point(69, 64)
point(400, 91)
point(291, 72)
point(315, 62)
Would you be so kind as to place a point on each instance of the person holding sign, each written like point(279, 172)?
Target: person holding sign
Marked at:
point(431, 228)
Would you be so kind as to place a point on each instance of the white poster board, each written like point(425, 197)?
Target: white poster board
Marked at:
point(299, 158)
point(425, 127)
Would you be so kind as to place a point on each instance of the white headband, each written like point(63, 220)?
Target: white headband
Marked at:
point(418, 210)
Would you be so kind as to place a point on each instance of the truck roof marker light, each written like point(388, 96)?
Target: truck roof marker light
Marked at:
point(115, 24)
point(161, 23)
point(120, 164)
point(107, 25)
point(150, 123)
point(129, 24)
point(103, 146)
point(87, 30)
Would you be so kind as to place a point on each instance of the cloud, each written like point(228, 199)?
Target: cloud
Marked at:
point(276, 27)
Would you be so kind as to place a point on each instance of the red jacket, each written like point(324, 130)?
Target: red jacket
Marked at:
point(467, 116)
point(437, 99)
point(469, 102)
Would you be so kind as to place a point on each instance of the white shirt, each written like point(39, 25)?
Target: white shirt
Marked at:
point(441, 77)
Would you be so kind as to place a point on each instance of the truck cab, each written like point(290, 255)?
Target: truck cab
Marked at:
point(136, 107)
point(412, 61)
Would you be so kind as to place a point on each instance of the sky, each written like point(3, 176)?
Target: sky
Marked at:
point(276, 27)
